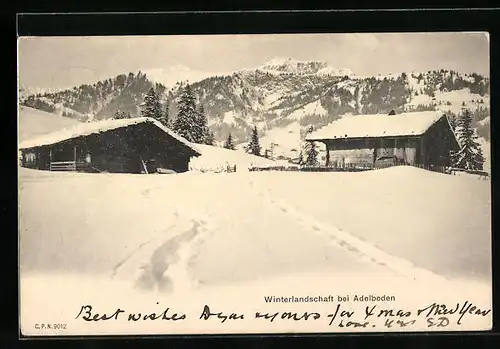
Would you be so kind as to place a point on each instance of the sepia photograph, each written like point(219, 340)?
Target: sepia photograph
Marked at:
point(264, 183)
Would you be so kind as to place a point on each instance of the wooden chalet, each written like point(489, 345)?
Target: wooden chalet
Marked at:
point(423, 139)
point(138, 145)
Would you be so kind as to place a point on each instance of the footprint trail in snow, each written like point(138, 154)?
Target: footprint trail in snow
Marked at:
point(164, 265)
point(364, 250)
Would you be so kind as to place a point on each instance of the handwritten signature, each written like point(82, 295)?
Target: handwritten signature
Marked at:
point(467, 308)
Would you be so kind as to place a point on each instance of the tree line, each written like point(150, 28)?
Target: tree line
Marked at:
point(190, 121)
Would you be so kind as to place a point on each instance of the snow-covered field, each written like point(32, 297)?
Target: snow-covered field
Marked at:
point(439, 222)
point(228, 239)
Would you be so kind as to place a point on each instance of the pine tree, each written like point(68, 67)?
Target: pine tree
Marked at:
point(152, 107)
point(122, 115)
point(470, 156)
point(186, 122)
point(202, 124)
point(479, 159)
point(301, 157)
point(210, 139)
point(308, 152)
point(166, 115)
point(452, 118)
point(254, 145)
point(228, 144)
point(311, 154)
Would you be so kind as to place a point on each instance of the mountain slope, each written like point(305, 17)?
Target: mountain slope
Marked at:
point(100, 100)
point(33, 122)
point(280, 93)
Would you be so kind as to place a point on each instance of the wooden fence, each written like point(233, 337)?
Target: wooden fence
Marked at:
point(230, 169)
point(440, 169)
point(218, 169)
point(355, 167)
point(480, 174)
point(275, 168)
point(68, 166)
point(306, 168)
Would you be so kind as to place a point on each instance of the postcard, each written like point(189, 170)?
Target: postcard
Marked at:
point(253, 184)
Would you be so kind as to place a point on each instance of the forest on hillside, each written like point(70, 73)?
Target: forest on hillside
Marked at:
point(236, 103)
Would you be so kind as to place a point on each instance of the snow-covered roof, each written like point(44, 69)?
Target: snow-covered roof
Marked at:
point(378, 125)
point(88, 128)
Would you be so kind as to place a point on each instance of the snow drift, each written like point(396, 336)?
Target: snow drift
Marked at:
point(33, 123)
point(217, 159)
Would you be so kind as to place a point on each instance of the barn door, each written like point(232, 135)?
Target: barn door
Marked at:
point(386, 148)
point(411, 151)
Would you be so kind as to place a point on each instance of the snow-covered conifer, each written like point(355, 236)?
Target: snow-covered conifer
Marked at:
point(152, 107)
point(470, 155)
point(311, 154)
point(254, 145)
point(186, 122)
point(228, 144)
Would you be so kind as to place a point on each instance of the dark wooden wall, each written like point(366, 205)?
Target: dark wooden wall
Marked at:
point(431, 149)
point(122, 150)
point(368, 150)
point(36, 158)
point(438, 142)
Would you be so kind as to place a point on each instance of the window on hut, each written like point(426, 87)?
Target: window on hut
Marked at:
point(30, 157)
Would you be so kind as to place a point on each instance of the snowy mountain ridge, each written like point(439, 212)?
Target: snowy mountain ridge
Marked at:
point(289, 65)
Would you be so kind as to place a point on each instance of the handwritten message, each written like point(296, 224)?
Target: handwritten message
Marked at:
point(373, 316)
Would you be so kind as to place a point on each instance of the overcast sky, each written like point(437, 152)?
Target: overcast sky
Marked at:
point(56, 62)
